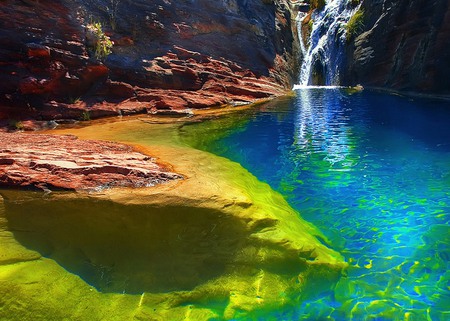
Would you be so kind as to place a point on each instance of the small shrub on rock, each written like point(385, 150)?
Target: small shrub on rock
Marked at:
point(100, 42)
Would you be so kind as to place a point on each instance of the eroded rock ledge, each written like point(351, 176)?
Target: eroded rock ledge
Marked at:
point(67, 163)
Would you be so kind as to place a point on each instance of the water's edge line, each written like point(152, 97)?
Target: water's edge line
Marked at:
point(318, 87)
point(410, 94)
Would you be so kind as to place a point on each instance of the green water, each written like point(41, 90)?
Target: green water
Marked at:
point(372, 171)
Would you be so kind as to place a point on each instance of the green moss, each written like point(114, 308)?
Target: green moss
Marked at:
point(355, 25)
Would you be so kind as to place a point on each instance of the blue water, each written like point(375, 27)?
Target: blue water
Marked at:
point(372, 171)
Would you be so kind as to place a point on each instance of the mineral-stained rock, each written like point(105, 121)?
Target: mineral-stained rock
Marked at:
point(49, 162)
point(404, 46)
point(232, 50)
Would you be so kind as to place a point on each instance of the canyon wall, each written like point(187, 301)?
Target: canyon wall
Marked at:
point(173, 56)
point(403, 46)
point(168, 56)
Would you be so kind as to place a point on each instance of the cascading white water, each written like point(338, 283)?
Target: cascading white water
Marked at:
point(323, 58)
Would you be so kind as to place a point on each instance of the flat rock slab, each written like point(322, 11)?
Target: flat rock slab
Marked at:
point(66, 163)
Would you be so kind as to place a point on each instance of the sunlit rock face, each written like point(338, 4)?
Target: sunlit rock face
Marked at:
point(208, 53)
point(50, 162)
point(404, 46)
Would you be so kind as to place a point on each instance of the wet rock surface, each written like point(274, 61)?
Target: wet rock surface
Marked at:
point(166, 55)
point(49, 162)
point(403, 46)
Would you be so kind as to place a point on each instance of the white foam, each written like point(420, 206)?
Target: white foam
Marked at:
point(316, 87)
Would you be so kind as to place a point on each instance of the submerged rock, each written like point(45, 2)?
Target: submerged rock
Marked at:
point(218, 244)
point(353, 90)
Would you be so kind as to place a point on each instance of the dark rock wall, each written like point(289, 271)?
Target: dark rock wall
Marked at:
point(42, 52)
point(405, 46)
point(255, 34)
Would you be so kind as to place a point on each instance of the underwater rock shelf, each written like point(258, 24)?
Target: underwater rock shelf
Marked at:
point(218, 244)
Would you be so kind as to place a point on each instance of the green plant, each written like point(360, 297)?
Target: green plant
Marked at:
point(355, 25)
point(108, 8)
point(73, 100)
point(102, 43)
point(310, 25)
point(112, 12)
point(86, 115)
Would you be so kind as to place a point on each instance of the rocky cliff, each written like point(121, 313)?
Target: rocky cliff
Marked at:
point(403, 46)
point(167, 56)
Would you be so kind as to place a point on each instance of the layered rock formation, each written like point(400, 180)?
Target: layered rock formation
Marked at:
point(404, 46)
point(49, 162)
point(167, 55)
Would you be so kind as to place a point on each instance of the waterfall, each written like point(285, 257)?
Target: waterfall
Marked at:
point(323, 58)
point(300, 16)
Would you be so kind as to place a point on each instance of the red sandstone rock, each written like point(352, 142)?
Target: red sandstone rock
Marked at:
point(181, 80)
point(183, 54)
point(38, 51)
point(66, 163)
point(124, 41)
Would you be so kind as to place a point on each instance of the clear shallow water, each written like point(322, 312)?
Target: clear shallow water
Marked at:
point(372, 171)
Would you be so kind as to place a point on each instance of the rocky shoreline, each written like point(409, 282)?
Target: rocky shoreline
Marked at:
point(52, 162)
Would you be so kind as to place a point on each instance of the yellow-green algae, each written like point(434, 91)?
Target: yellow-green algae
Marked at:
point(218, 245)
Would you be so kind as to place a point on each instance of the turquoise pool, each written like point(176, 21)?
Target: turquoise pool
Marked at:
point(372, 171)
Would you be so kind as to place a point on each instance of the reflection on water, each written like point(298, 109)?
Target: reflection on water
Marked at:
point(372, 171)
point(322, 127)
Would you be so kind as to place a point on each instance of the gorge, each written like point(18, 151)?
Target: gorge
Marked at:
point(224, 160)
